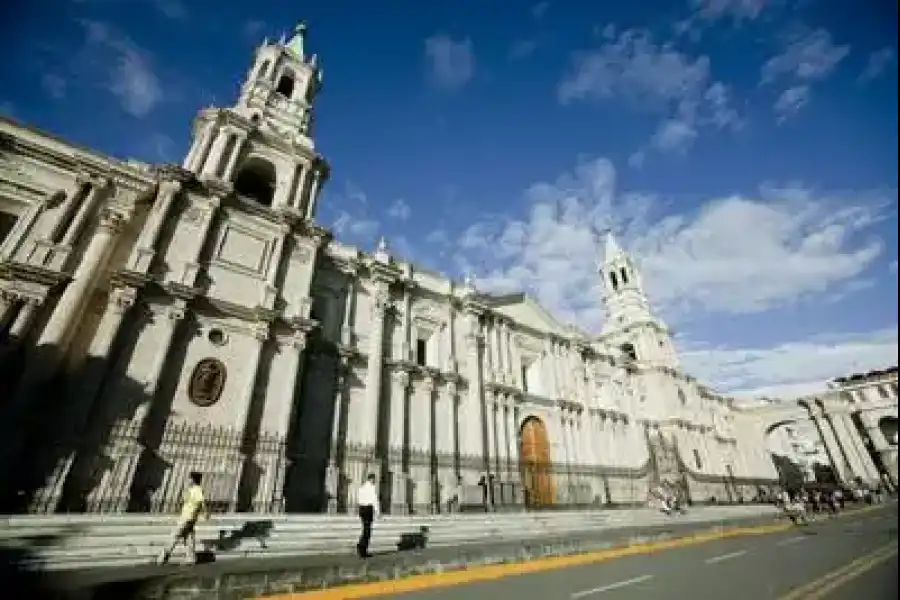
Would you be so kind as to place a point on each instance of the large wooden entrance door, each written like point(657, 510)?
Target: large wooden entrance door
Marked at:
point(535, 463)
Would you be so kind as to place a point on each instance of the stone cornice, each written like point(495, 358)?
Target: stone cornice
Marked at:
point(33, 274)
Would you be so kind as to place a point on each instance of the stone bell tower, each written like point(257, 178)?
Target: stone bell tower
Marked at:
point(262, 146)
point(630, 323)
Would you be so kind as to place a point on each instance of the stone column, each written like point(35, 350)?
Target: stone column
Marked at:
point(406, 343)
point(8, 301)
point(313, 196)
point(497, 350)
point(860, 461)
point(98, 187)
point(490, 416)
point(73, 194)
point(832, 447)
point(78, 407)
point(142, 256)
point(191, 267)
point(260, 334)
point(235, 153)
point(512, 429)
point(195, 158)
point(471, 438)
point(397, 419)
point(365, 421)
point(445, 436)
point(214, 157)
point(270, 291)
point(59, 329)
point(336, 472)
point(855, 468)
point(278, 466)
point(421, 425)
point(349, 310)
point(450, 354)
point(115, 485)
point(19, 328)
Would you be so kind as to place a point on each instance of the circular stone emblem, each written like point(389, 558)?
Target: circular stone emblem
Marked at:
point(207, 381)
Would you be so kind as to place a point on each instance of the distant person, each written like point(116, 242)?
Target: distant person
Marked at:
point(367, 500)
point(192, 508)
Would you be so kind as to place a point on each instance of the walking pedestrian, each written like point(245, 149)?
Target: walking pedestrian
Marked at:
point(367, 500)
point(192, 508)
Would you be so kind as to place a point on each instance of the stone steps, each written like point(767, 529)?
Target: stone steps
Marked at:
point(68, 542)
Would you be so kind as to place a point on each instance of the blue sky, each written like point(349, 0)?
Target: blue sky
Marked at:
point(744, 150)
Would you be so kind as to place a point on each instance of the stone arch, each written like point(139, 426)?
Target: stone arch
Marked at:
point(286, 83)
point(888, 427)
point(535, 463)
point(256, 179)
point(629, 351)
point(263, 70)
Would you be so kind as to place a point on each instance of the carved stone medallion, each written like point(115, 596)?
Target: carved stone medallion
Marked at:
point(207, 381)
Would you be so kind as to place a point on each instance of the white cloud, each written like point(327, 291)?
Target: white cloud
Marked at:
point(793, 368)
point(540, 9)
point(126, 68)
point(356, 227)
point(451, 63)
point(173, 9)
point(733, 255)
point(399, 210)
point(737, 10)
point(791, 101)
point(878, 63)
point(674, 135)
point(656, 78)
point(805, 57)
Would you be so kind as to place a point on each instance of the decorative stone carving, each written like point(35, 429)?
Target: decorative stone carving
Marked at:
point(207, 382)
point(113, 219)
point(121, 299)
point(381, 299)
point(401, 378)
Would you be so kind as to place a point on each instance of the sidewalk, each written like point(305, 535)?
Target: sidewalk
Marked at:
point(253, 577)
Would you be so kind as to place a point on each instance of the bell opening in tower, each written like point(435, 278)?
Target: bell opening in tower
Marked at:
point(285, 85)
point(256, 180)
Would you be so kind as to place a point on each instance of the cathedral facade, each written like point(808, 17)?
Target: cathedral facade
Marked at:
point(164, 319)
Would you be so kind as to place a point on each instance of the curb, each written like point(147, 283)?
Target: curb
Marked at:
point(484, 571)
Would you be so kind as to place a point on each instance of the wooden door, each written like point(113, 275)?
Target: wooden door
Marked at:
point(535, 461)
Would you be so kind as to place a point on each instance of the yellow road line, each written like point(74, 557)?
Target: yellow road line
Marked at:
point(837, 577)
point(475, 574)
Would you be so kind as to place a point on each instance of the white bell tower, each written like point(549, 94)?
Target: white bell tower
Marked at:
point(630, 323)
point(261, 148)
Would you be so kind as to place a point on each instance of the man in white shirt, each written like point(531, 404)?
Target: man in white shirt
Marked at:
point(367, 500)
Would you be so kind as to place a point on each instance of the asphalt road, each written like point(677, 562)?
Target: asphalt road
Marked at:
point(787, 565)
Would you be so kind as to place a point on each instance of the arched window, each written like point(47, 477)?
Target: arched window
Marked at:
point(629, 351)
point(263, 69)
point(285, 85)
point(624, 275)
point(682, 396)
point(614, 280)
point(256, 180)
